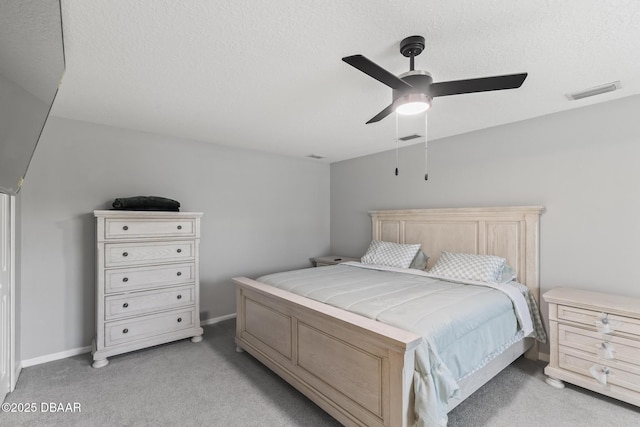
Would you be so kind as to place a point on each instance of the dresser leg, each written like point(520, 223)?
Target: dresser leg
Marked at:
point(196, 339)
point(554, 382)
point(239, 349)
point(100, 363)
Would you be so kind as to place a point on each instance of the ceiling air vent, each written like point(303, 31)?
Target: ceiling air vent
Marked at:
point(598, 90)
point(408, 137)
point(316, 156)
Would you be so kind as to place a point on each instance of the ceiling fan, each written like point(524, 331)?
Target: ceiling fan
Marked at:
point(413, 91)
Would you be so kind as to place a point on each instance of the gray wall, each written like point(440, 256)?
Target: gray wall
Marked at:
point(262, 213)
point(582, 165)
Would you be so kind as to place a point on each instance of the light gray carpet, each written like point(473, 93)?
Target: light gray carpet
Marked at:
point(208, 383)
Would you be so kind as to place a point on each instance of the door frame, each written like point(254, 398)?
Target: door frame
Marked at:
point(8, 213)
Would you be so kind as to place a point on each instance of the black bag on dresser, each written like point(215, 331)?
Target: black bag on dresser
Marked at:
point(146, 203)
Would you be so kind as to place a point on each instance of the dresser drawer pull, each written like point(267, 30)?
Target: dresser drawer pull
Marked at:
point(179, 273)
point(125, 279)
point(179, 296)
point(179, 227)
point(125, 305)
point(125, 228)
point(125, 331)
point(179, 250)
point(179, 319)
point(125, 254)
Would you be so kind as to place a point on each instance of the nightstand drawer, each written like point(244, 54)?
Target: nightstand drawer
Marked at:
point(121, 254)
point(333, 260)
point(621, 349)
point(123, 331)
point(620, 374)
point(138, 278)
point(591, 318)
point(137, 303)
point(131, 228)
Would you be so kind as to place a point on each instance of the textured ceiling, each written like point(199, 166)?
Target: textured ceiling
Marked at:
point(268, 75)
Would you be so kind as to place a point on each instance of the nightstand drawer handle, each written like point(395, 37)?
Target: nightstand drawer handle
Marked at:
point(125, 305)
point(179, 227)
point(125, 254)
point(179, 273)
point(606, 325)
point(125, 228)
point(125, 279)
point(179, 250)
point(179, 297)
point(125, 331)
point(606, 350)
point(179, 319)
point(600, 373)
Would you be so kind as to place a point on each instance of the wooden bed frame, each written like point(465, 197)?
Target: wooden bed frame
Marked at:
point(359, 370)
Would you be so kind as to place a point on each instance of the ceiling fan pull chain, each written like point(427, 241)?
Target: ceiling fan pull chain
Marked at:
point(426, 170)
point(397, 144)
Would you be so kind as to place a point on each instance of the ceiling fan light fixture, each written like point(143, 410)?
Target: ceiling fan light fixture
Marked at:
point(413, 103)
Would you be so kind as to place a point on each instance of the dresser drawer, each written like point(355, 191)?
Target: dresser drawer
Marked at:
point(121, 254)
point(123, 331)
point(139, 278)
point(622, 349)
point(591, 317)
point(620, 374)
point(130, 228)
point(137, 303)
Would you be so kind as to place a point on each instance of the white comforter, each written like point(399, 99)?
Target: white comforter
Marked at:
point(463, 324)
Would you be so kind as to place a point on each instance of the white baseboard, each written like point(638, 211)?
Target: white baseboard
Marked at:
point(16, 375)
point(544, 357)
point(217, 319)
point(55, 356)
point(81, 350)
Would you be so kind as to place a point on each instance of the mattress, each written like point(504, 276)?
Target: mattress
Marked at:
point(464, 325)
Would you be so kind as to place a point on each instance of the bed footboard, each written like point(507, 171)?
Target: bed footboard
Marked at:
point(358, 370)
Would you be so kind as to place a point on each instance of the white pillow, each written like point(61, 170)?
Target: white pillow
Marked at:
point(483, 268)
point(390, 254)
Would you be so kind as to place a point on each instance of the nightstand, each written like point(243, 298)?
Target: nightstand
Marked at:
point(332, 260)
point(595, 342)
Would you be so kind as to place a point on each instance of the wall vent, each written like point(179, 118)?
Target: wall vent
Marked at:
point(598, 90)
point(409, 137)
point(316, 156)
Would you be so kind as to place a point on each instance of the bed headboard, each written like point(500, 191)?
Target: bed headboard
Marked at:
point(509, 232)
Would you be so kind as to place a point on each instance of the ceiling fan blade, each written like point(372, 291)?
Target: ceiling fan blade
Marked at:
point(377, 72)
point(382, 114)
point(484, 84)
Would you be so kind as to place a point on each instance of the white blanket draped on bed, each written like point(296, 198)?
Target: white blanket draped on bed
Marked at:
point(464, 325)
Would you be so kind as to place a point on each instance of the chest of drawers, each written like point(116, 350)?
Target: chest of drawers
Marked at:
point(147, 280)
point(595, 342)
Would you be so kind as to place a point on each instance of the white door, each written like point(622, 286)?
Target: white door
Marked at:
point(6, 261)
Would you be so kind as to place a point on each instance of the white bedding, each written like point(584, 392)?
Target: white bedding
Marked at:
point(463, 327)
point(520, 303)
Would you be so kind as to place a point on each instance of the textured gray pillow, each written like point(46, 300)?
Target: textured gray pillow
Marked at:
point(390, 254)
point(420, 261)
point(483, 268)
